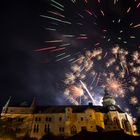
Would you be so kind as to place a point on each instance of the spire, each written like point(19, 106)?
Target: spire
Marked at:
point(108, 99)
point(4, 109)
point(106, 95)
point(33, 103)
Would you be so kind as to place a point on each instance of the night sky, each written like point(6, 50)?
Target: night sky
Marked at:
point(26, 71)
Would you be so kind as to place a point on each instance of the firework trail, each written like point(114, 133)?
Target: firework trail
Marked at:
point(68, 34)
point(84, 86)
point(114, 72)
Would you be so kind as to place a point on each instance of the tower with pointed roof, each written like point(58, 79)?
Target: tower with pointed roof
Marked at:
point(5, 107)
point(108, 100)
point(33, 104)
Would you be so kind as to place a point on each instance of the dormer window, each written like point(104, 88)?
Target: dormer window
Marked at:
point(50, 119)
point(68, 109)
point(46, 119)
point(60, 119)
point(20, 119)
point(37, 119)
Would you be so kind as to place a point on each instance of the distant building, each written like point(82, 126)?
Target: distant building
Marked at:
point(68, 120)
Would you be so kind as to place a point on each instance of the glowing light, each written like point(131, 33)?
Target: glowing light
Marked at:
point(136, 26)
point(57, 7)
point(114, 86)
point(84, 86)
point(57, 3)
point(76, 91)
point(71, 36)
point(102, 13)
point(44, 49)
point(56, 19)
point(133, 100)
point(128, 10)
point(56, 13)
point(89, 12)
point(54, 41)
point(50, 29)
point(138, 5)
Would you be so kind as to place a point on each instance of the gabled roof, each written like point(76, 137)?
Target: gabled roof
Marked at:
point(75, 109)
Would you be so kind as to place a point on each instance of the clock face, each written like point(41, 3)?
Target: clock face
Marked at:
point(112, 108)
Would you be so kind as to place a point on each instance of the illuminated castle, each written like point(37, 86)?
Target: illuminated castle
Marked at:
point(68, 120)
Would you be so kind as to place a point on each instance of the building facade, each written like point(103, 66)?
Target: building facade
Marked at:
point(68, 120)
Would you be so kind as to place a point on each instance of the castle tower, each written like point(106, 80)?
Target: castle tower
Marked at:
point(33, 105)
point(108, 100)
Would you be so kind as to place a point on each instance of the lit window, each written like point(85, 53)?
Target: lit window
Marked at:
point(73, 130)
point(18, 130)
point(125, 125)
point(10, 119)
point(20, 119)
point(36, 128)
point(46, 119)
point(116, 121)
point(50, 119)
point(61, 129)
point(37, 119)
point(47, 128)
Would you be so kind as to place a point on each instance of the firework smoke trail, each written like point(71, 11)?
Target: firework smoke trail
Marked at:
point(94, 78)
point(84, 86)
point(98, 78)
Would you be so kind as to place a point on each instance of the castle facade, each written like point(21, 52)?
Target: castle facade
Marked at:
point(68, 120)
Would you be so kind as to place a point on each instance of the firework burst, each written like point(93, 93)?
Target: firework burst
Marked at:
point(115, 87)
point(83, 34)
point(74, 31)
point(98, 69)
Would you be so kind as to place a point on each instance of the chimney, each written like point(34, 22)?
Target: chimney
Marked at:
point(90, 104)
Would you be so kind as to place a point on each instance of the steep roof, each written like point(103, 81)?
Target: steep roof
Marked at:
point(75, 109)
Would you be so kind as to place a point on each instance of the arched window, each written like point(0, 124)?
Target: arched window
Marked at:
point(73, 130)
point(106, 119)
point(36, 128)
point(47, 128)
point(125, 124)
point(116, 121)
